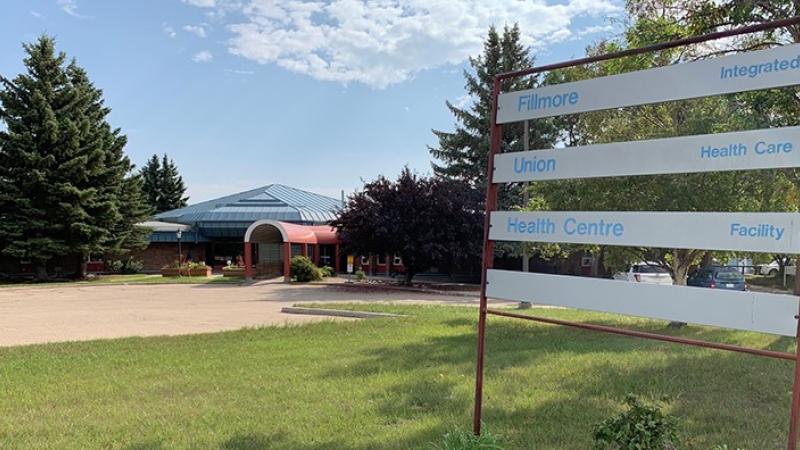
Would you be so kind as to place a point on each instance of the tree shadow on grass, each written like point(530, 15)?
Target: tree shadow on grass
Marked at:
point(717, 398)
point(280, 441)
point(518, 343)
point(150, 445)
point(252, 441)
point(716, 394)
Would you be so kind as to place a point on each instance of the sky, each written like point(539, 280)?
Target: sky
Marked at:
point(319, 95)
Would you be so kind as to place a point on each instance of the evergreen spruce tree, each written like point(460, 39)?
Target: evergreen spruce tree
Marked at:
point(128, 236)
point(462, 153)
point(62, 167)
point(104, 171)
point(39, 140)
point(171, 187)
point(151, 175)
point(162, 184)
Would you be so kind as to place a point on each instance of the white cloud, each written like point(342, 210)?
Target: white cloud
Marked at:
point(382, 42)
point(70, 7)
point(594, 29)
point(168, 30)
point(204, 56)
point(464, 101)
point(202, 3)
point(240, 72)
point(196, 29)
point(36, 14)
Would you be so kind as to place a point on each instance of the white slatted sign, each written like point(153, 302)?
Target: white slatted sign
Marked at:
point(763, 69)
point(750, 232)
point(745, 150)
point(753, 311)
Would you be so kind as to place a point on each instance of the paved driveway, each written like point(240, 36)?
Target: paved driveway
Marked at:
point(67, 313)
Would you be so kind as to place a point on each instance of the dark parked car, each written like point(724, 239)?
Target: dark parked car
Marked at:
point(718, 278)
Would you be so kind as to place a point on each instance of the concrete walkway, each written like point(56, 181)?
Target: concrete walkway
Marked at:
point(72, 313)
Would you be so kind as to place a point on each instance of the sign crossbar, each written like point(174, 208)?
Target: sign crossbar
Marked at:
point(789, 309)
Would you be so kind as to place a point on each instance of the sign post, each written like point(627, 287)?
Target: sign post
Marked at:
point(350, 261)
point(746, 150)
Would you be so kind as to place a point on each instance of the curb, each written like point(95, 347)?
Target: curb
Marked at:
point(367, 287)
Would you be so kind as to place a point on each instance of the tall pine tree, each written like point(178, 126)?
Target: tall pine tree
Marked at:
point(461, 154)
point(163, 186)
point(62, 167)
point(128, 236)
point(172, 188)
point(151, 173)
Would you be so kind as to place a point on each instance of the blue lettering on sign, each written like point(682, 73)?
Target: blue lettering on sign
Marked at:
point(573, 227)
point(538, 226)
point(763, 230)
point(723, 152)
point(755, 70)
point(739, 149)
point(771, 148)
point(526, 165)
point(533, 102)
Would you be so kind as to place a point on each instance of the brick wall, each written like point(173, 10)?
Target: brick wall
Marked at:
point(158, 254)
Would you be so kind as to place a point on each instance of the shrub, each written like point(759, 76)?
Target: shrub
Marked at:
point(128, 266)
point(360, 275)
point(464, 440)
point(304, 270)
point(641, 426)
point(196, 265)
point(114, 266)
point(326, 271)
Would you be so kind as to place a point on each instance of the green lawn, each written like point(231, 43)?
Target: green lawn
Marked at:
point(772, 282)
point(128, 279)
point(396, 383)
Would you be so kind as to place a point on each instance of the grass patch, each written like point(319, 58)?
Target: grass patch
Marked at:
point(126, 279)
point(465, 440)
point(771, 282)
point(399, 383)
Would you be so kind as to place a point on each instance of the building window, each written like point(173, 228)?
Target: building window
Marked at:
point(397, 261)
point(297, 250)
point(364, 261)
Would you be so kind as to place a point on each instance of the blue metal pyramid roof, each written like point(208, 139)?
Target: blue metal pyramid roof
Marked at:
point(274, 201)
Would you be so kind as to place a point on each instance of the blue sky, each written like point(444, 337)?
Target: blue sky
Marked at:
point(318, 95)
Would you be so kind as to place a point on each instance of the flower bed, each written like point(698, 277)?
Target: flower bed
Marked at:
point(190, 270)
point(233, 271)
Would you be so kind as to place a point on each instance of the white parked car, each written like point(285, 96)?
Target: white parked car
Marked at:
point(772, 269)
point(645, 272)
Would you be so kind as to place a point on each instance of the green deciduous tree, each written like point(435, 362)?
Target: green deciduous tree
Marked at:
point(731, 191)
point(62, 166)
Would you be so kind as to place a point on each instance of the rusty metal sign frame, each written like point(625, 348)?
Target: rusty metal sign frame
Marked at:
point(491, 205)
